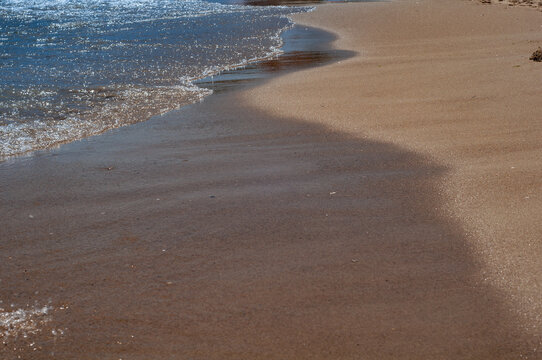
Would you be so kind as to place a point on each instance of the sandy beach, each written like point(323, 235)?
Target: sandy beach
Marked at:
point(384, 206)
point(451, 81)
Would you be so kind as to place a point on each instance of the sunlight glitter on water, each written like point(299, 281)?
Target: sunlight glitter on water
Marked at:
point(71, 69)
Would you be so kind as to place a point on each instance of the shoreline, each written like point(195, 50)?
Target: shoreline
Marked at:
point(303, 47)
point(24, 136)
point(301, 218)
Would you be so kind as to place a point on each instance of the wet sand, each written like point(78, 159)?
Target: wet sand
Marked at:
point(310, 217)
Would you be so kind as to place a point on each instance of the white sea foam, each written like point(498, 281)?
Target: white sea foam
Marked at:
point(137, 104)
point(22, 322)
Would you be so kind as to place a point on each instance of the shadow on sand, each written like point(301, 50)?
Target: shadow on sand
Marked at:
point(218, 232)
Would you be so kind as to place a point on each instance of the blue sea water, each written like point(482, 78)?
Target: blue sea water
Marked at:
point(75, 68)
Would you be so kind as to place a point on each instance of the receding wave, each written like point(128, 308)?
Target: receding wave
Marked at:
point(70, 69)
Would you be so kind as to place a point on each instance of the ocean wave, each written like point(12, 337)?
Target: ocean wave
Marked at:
point(72, 69)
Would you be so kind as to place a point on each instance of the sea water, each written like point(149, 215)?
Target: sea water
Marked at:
point(75, 68)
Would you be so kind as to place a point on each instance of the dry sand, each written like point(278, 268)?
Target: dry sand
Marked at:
point(383, 207)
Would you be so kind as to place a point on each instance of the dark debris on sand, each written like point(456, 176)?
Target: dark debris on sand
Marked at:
point(537, 55)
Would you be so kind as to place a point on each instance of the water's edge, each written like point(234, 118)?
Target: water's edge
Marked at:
point(301, 47)
point(100, 107)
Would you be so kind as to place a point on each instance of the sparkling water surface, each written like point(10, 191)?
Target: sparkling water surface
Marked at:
point(74, 68)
